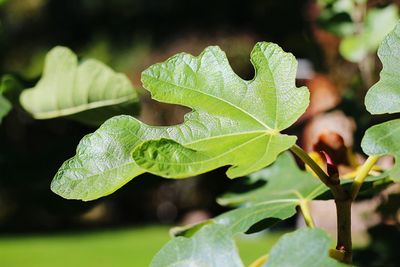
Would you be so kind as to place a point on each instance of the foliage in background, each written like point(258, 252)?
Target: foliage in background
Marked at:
point(361, 28)
point(89, 92)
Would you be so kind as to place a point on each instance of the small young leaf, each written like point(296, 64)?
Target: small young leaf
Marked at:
point(233, 122)
point(67, 88)
point(383, 139)
point(302, 248)
point(248, 114)
point(212, 246)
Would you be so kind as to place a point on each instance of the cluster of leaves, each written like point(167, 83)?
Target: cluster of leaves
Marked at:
point(362, 29)
point(233, 122)
point(259, 208)
point(240, 128)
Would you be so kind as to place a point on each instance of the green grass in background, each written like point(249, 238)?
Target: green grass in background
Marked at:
point(113, 248)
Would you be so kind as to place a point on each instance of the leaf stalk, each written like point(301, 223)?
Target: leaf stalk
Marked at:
point(362, 173)
point(305, 210)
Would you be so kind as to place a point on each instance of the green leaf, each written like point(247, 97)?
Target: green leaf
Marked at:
point(67, 88)
point(384, 96)
point(212, 246)
point(233, 122)
point(285, 186)
point(245, 116)
point(383, 139)
point(378, 23)
point(302, 248)
point(284, 181)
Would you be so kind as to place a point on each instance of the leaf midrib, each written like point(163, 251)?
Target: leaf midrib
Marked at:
point(211, 158)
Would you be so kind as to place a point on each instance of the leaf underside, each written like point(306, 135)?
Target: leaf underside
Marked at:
point(71, 89)
point(383, 139)
point(233, 122)
point(302, 248)
point(384, 97)
point(285, 186)
point(213, 246)
point(269, 196)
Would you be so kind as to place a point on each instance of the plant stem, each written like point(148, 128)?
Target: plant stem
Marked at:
point(343, 214)
point(305, 210)
point(362, 173)
point(343, 201)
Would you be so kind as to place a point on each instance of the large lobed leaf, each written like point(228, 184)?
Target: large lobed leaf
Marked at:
point(270, 195)
point(67, 88)
point(213, 246)
point(285, 186)
point(233, 122)
point(384, 97)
